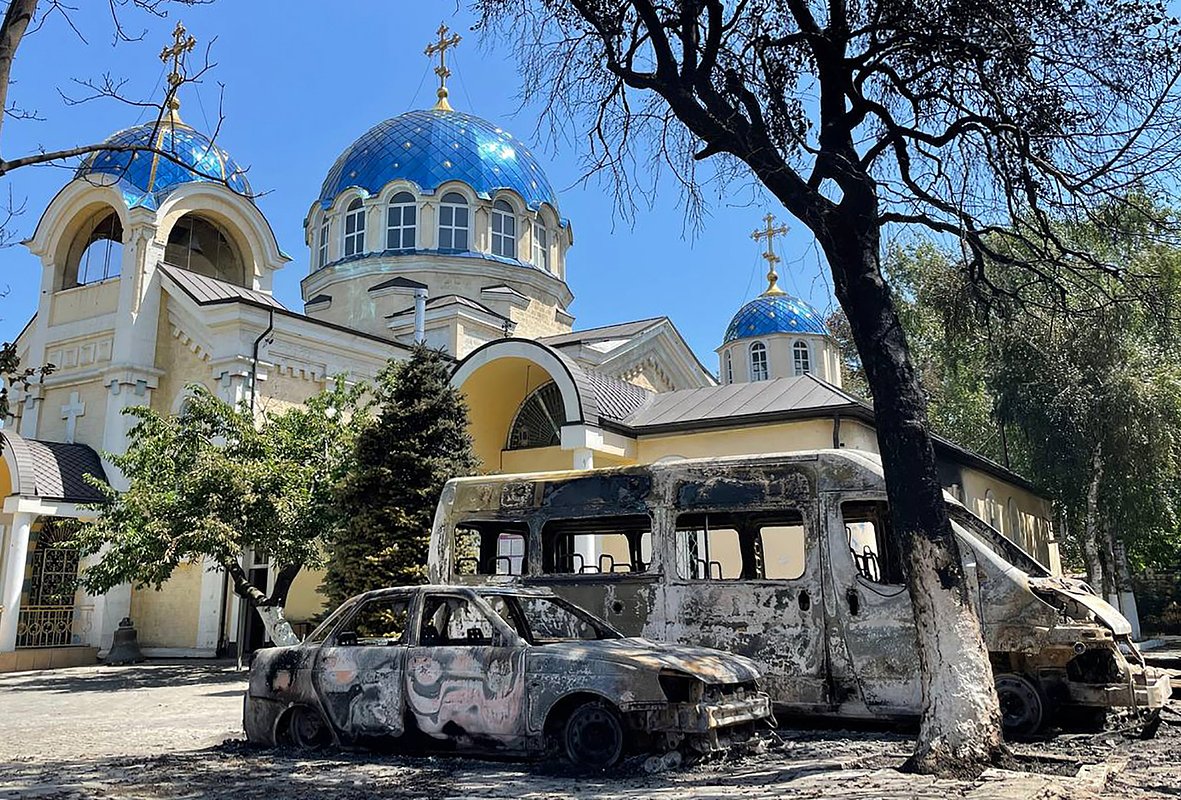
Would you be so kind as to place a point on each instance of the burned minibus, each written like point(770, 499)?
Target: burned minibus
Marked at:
point(788, 559)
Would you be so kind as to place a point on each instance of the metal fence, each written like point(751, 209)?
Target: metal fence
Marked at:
point(53, 626)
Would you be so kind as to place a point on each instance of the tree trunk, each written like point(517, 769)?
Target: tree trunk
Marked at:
point(1121, 575)
point(269, 609)
point(960, 727)
point(1091, 555)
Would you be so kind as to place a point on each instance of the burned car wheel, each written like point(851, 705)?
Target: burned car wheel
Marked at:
point(306, 729)
point(1021, 704)
point(592, 736)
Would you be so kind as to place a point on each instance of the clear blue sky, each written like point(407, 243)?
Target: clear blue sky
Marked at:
point(304, 79)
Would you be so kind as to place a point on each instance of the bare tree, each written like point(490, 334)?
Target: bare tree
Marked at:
point(989, 122)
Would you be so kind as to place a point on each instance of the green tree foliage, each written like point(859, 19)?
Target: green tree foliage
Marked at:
point(419, 440)
point(210, 483)
point(1067, 398)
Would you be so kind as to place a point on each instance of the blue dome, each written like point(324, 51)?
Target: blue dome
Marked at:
point(433, 146)
point(775, 313)
point(146, 177)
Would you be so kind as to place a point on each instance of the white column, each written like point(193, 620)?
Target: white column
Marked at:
point(209, 609)
point(14, 579)
point(584, 458)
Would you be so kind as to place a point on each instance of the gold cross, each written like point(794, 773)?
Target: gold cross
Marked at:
point(769, 233)
point(441, 47)
point(181, 45)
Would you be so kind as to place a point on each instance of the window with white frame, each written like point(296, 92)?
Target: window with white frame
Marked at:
point(354, 228)
point(322, 247)
point(727, 367)
point(758, 362)
point(540, 246)
point(401, 219)
point(504, 230)
point(801, 358)
point(453, 222)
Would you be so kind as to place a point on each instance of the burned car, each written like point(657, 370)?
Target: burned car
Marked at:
point(496, 669)
point(790, 560)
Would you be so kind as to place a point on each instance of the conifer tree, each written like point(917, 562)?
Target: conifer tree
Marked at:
point(419, 440)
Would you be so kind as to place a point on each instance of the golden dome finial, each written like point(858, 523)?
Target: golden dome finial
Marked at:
point(769, 233)
point(441, 47)
point(181, 46)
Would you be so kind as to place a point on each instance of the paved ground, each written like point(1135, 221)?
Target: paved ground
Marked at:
point(173, 731)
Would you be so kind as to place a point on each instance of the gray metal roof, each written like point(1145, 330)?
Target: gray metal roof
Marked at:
point(54, 470)
point(732, 402)
point(623, 330)
point(208, 291)
point(616, 399)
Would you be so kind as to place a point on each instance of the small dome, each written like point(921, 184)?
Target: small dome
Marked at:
point(431, 147)
point(775, 313)
point(146, 177)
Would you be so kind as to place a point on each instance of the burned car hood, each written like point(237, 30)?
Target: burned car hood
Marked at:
point(711, 666)
point(1077, 592)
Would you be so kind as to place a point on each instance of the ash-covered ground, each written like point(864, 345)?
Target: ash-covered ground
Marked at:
point(174, 731)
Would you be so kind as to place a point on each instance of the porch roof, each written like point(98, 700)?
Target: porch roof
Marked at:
point(52, 470)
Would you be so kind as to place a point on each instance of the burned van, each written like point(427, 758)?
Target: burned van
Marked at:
point(789, 560)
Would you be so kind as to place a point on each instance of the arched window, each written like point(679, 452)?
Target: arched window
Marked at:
point(727, 368)
point(539, 419)
point(453, 222)
point(1016, 529)
point(801, 358)
point(758, 362)
point(504, 230)
point(354, 229)
point(401, 220)
point(322, 247)
point(202, 246)
point(540, 246)
point(992, 509)
point(97, 252)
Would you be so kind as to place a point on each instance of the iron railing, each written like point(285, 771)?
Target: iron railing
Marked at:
point(53, 626)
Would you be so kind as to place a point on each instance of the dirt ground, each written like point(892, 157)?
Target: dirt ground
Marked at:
point(173, 731)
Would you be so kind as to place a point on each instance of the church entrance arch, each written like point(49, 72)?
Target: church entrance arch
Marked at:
point(48, 613)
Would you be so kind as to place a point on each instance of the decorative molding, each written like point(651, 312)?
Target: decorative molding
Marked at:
point(83, 353)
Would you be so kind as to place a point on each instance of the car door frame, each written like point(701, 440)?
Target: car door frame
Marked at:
point(874, 622)
point(498, 670)
point(802, 686)
point(355, 706)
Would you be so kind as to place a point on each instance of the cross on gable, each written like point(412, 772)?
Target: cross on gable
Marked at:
point(70, 412)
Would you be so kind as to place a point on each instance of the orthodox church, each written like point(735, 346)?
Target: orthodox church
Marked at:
point(435, 225)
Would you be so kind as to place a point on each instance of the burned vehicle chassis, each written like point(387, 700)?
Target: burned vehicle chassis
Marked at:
point(825, 615)
point(488, 684)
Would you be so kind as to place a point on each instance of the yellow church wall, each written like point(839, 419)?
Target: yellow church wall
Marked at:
point(755, 440)
point(88, 428)
point(168, 618)
point(84, 302)
point(305, 600)
point(494, 392)
point(181, 366)
point(538, 459)
point(857, 435)
point(1018, 513)
point(282, 390)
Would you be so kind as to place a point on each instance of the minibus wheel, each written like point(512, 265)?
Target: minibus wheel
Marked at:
point(1022, 708)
